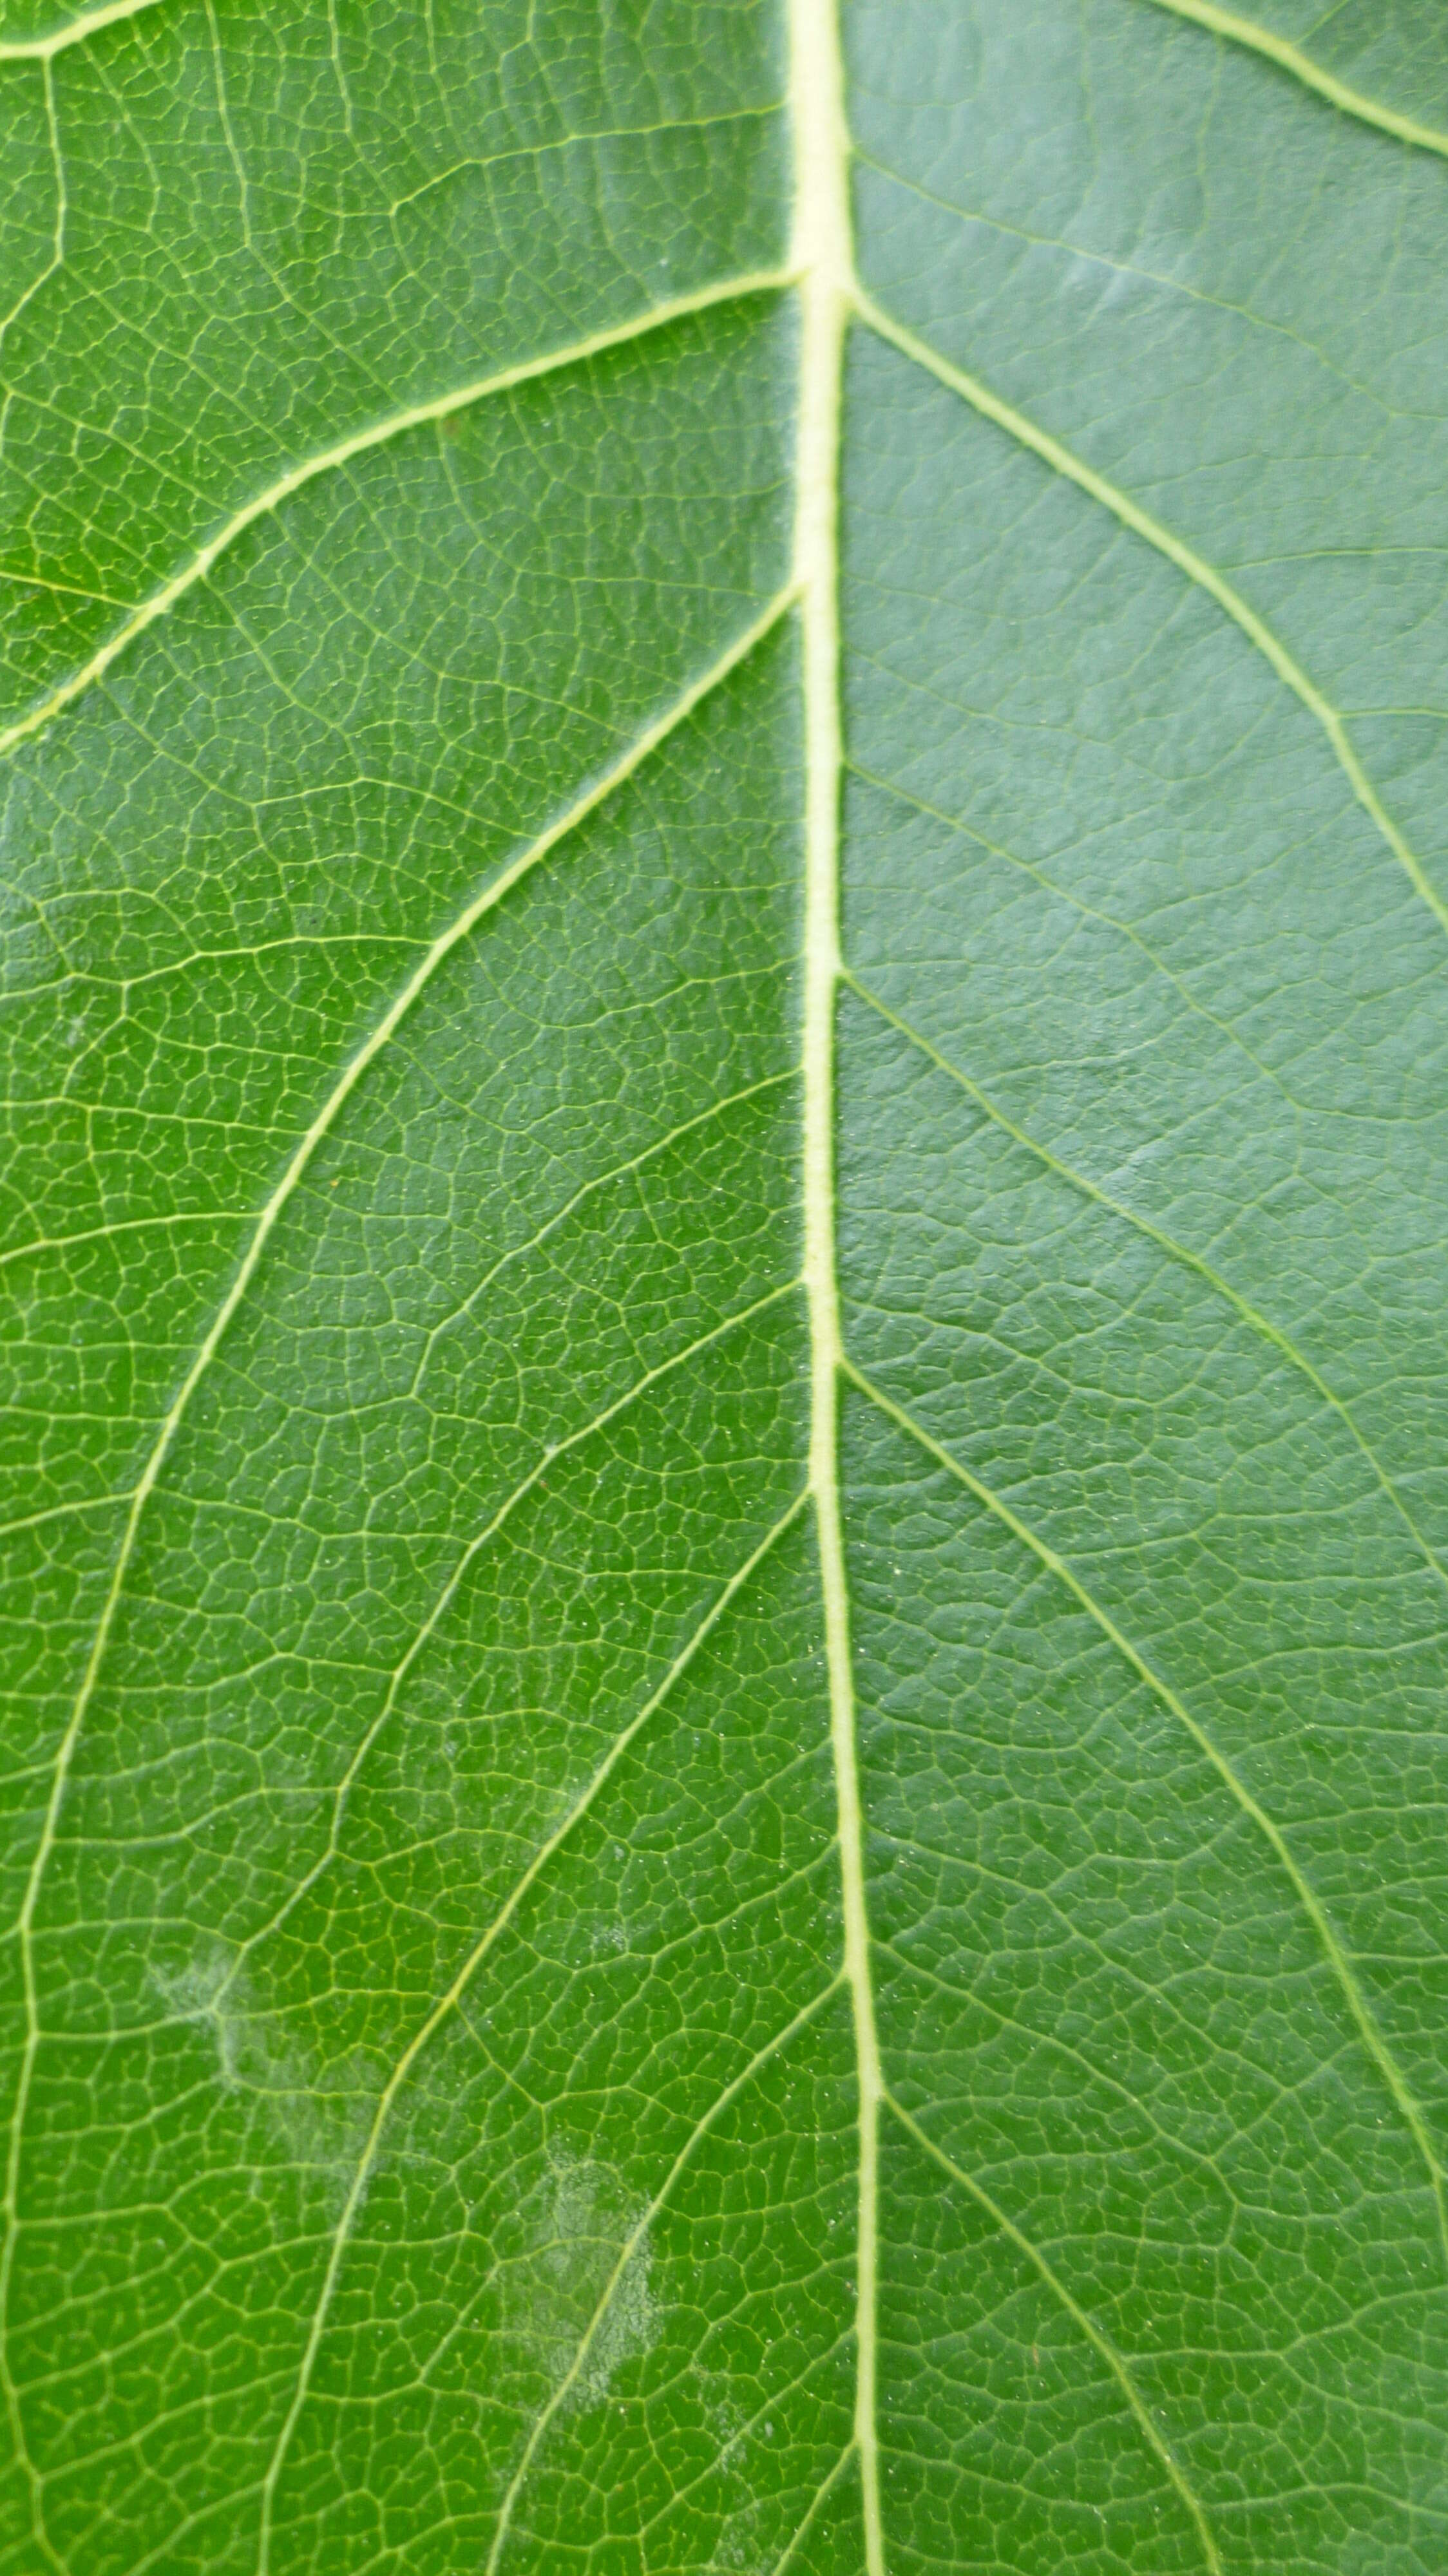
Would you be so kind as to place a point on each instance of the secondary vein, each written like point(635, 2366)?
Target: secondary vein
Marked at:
point(1100, 2343)
point(448, 2002)
point(448, 1592)
point(1074, 469)
point(1251, 1315)
point(1290, 58)
point(43, 49)
point(630, 2249)
point(378, 433)
point(441, 948)
point(1337, 1958)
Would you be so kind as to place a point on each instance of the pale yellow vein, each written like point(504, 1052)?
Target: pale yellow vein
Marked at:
point(1338, 1961)
point(824, 258)
point(76, 31)
point(629, 2252)
point(361, 442)
point(447, 1594)
point(1176, 1251)
point(441, 948)
point(448, 2003)
point(1100, 2342)
point(1073, 469)
point(1291, 58)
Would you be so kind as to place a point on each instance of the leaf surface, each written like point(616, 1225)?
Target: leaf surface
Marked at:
point(726, 1523)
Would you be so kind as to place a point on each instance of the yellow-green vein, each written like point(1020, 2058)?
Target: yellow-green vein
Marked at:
point(90, 22)
point(360, 442)
point(1251, 1315)
point(448, 2003)
point(447, 1594)
point(1337, 1958)
point(461, 928)
point(1100, 2343)
point(1290, 58)
point(631, 2248)
point(1073, 469)
point(823, 257)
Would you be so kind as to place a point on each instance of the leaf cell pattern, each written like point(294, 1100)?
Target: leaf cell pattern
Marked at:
point(721, 751)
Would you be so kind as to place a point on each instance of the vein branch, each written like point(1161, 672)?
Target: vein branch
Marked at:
point(1074, 469)
point(1099, 2341)
point(1290, 58)
point(1337, 1958)
point(460, 929)
point(1251, 1315)
point(1124, 928)
point(329, 460)
point(587, 1190)
point(449, 2002)
point(448, 1592)
point(41, 279)
point(76, 31)
point(630, 2250)
point(816, 2506)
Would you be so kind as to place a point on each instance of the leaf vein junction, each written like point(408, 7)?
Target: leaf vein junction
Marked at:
point(630, 2248)
point(1073, 469)
point(1101, 2343)
point(448, 1592)
point(1087, 912)
point(1167, 1243)
point(589, 1189)
point(448, 2002)
point(1337, 1958)
point(32, 49)
point(824, 261)
point(442, 947)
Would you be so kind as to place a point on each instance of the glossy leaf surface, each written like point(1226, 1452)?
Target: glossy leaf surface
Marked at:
point(726, 1039)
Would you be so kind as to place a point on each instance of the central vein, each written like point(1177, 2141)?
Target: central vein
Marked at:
point(822, 258)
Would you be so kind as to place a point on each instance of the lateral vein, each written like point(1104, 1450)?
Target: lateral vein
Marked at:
point(1099, 2341)
point(1251, 1315)
point(28, 294)
point(585, 1191)
point(630, 2248)
point(817, 2503)
point(447, 1594)
point(361, 442)
point(40, 1244)
point(1337, 1958)
point(66, 1511)
point(441, 948)
point(1291, 58)
point(447, 2003)
point(43, 49)
point(1087, 911)
point(1073, 469)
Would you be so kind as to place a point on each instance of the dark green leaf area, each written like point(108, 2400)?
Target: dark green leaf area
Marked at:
point(193, 981)
point(271, 233)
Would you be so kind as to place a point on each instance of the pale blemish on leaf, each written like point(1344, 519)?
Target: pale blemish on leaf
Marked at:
point(580, 2298)
point(317, 2114)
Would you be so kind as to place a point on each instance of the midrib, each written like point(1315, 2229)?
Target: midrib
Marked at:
point(822, 260)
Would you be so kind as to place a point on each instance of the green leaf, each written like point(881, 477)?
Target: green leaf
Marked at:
point(725, 909)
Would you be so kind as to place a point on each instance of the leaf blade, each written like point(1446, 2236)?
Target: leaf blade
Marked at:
point(726, 1037)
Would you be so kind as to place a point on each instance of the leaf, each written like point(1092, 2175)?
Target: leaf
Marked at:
point(726, 1514)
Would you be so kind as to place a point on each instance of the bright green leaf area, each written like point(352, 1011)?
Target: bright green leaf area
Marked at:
point(725, 908)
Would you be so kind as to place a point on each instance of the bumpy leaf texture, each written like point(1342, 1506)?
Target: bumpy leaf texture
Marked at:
point(727, 1096)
